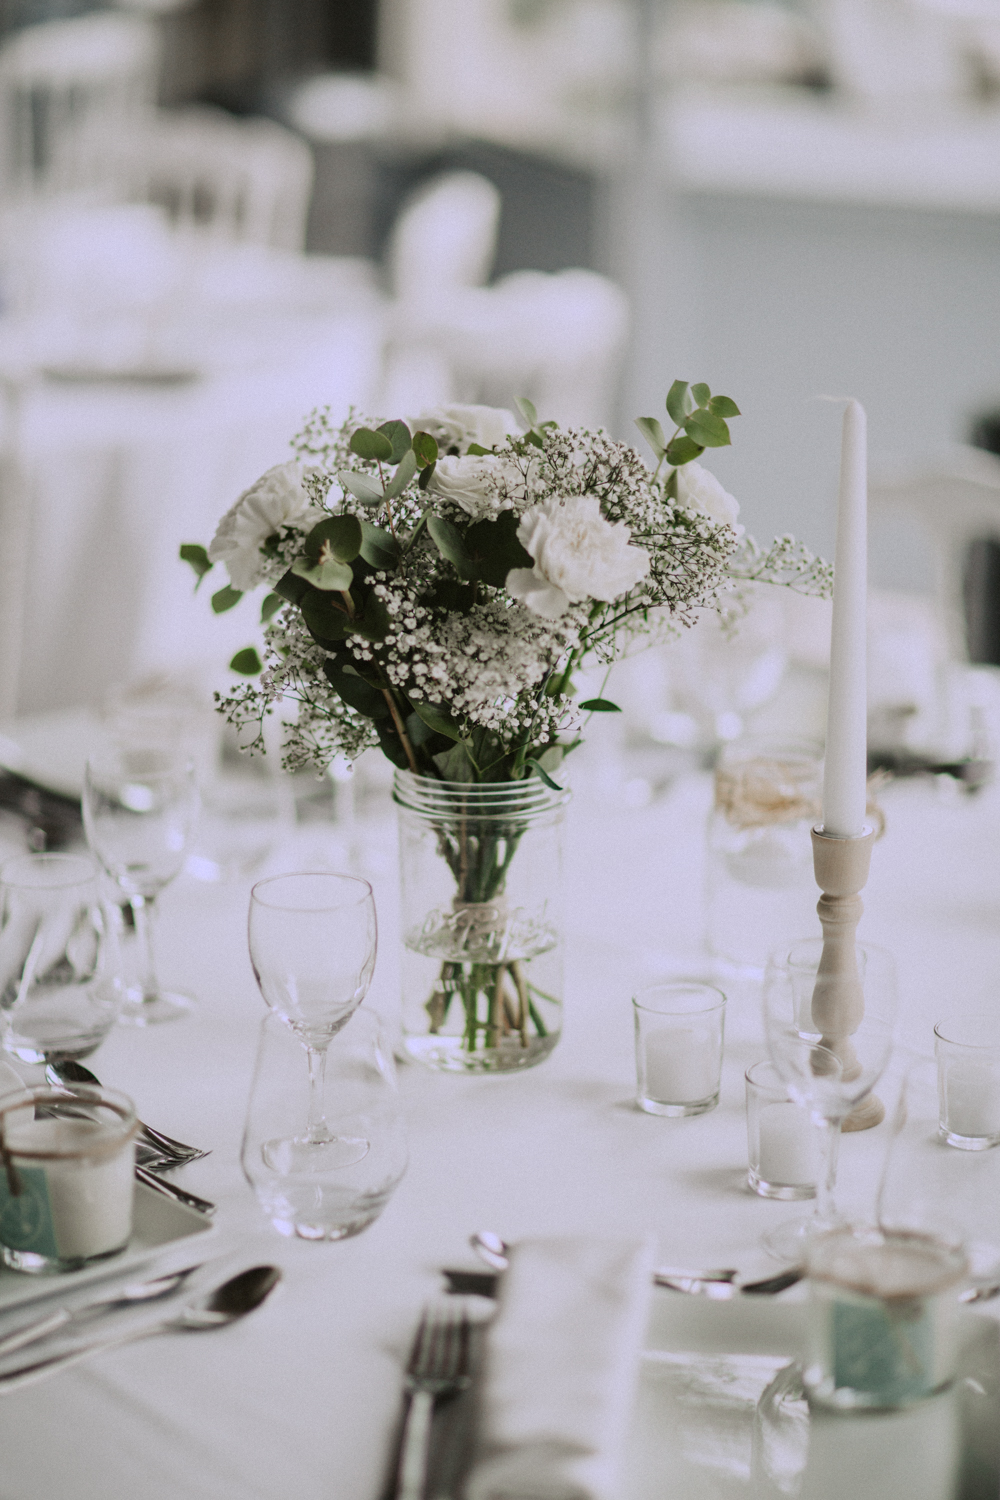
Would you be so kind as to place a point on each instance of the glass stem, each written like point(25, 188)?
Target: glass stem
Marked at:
point(826, 1182)
point(142, 918)
point(318, 1131)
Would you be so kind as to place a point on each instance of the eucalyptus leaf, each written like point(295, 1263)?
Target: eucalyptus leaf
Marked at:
point(405, 472)
point(379, 548)
point(707, 429)
point(681, 450)
point(398, 435)
point(197, 557)
point(425, 447)
point(551, 758)
point(372, 445)
point(390, 743)
point(476, 450)
point(426, 475)
point(494, 549)
point(600, 706)
point(290, 587)
point(448, 540)
point(338, 537)
point(325, 621)
point(330, 576)
point(362, 486)
point(270, 606)
point(247, 662)
point(438, 720)
point(701, 394)
point(376, 617)
point(225, 599)
point(653, 433)
point(355, 691)
point(722, 406)
point(526, 409)
point(678, 404)
point(418, 733)
point(455, 765)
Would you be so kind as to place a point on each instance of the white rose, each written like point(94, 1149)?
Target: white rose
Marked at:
point(699, 490)
point(470, 482)
point(458, 426)
point(277, 499)
point(577, 555)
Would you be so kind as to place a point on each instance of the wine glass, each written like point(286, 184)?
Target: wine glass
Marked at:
point(139, 808)
point(827, 1075)
point(312, 945)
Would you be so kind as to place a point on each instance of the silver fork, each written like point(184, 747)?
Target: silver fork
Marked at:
point(438, 1367)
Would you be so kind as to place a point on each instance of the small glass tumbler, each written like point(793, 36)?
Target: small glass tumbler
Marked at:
point(967, 1047)
point(66, 1177)
point(882, 1318)
point(678, 1047)
point(322, 1200)
point(782, 1145)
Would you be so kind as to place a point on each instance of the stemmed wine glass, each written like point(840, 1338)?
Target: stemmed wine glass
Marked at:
point(828, 1076)
point(139, 808)
point(312, 945)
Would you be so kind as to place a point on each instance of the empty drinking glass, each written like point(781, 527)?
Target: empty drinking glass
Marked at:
point(313, 1195)
point(139, 808)
point(60, 983)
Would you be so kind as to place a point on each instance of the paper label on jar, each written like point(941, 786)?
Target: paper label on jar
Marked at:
point(26, 1221)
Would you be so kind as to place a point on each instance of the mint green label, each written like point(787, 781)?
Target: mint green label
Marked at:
point(26, 1219)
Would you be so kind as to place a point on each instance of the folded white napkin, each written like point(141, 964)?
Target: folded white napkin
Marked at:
point(561, 1365)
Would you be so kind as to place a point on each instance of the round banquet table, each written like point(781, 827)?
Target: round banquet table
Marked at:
point(302, 1399)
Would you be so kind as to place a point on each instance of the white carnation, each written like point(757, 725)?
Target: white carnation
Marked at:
point(458, 426)
point(277, 499)
point(470, 482)
point(577, 555)
point(699, 490)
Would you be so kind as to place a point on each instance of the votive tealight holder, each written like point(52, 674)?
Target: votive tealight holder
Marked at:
point(967, 1048)
point(678, 1047)
point(782, 1145)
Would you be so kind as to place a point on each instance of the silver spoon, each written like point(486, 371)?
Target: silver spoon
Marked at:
point(224, 1304)
point(68, 1070)
point(125, 1296)
point(719, 1284)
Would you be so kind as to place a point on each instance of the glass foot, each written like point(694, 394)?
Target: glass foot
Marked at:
point(300, 1155)
point(787, 1243)
point(151, 1010)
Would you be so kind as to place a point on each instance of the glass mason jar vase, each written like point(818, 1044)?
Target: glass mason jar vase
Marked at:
point(481, 883)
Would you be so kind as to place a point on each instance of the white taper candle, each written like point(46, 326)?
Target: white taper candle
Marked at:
point(845, 775)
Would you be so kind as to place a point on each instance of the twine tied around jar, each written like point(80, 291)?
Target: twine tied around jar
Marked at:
point(766, 790)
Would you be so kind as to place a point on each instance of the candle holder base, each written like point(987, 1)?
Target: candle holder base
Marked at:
point(869, 1112)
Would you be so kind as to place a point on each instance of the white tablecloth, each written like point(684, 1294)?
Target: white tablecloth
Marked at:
point(302, 1398)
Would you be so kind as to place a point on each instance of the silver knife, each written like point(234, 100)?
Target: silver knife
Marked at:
point(169, 1190)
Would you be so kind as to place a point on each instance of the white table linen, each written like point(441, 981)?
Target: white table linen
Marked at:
point(303, 1397)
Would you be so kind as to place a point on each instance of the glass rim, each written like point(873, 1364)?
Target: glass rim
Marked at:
point(363, 894)
point(678, 985)
point(423, 794)
point(112, 1099)
point(51, 860)
point(951, 1041)
point(781, 958)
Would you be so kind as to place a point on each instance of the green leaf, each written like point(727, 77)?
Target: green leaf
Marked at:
point(681, 450)
point(438, 720)
point(377, 620)
point(476, 450)
point(453, 595)
point(426, 475)
point(701, 393)
point(379, 548)
point(678, 404)
point(407, 468)
point(526, 409)
point(707, 429)
point(417, 732)
point(196, 555)
point(398, 435)
point(390, 743)
point(331, 576)
point(291, 588)
point(426, 448)
point(372, 445)
point(355, 691)
point(454, 764)
point(325, 621)
point(272, 603)
point(532, 761)
point(653, 433)
point(246, 661)
point(362, 486)
point(723, 407)
point(600, 706)
point(448, 540)
point(225, 599)
point(551, 758)
point(338, 538)
point(535, 437)
point(494, 549)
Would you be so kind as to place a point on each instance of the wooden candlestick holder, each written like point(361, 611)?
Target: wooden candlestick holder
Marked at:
point(838, 1003)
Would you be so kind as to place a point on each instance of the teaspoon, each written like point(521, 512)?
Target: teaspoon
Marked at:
point(222, 1305)
point(125, 1296)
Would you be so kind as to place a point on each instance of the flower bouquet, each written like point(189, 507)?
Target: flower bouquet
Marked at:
point(432, 586)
